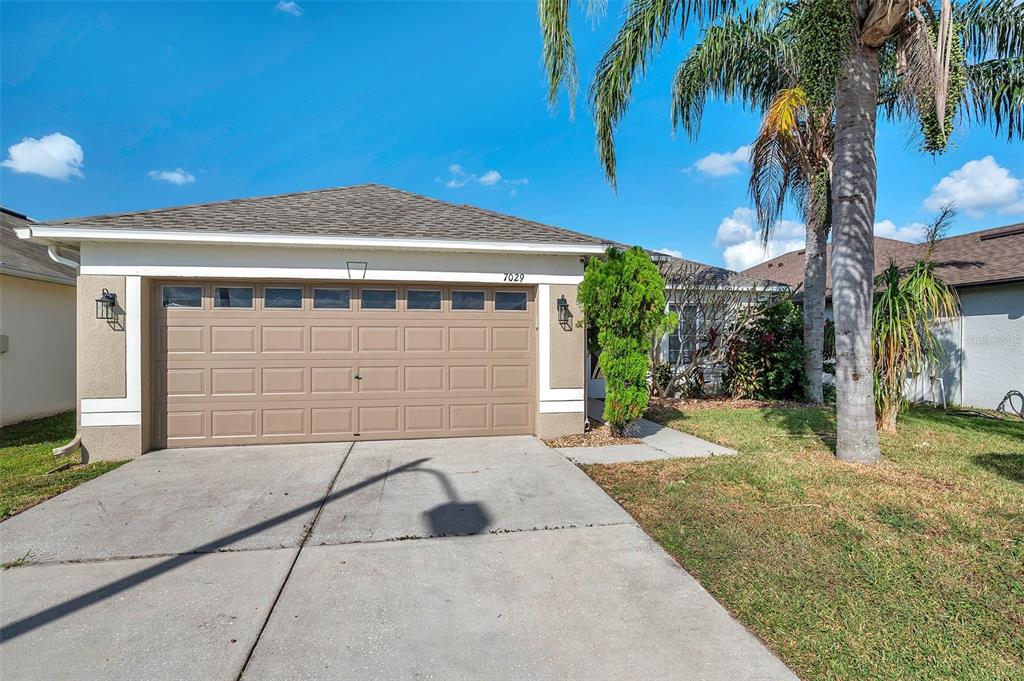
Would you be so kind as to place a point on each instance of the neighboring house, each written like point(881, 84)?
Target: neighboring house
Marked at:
point(701, 295)
point(37, 327)
point(985, 347)
point(357, 313)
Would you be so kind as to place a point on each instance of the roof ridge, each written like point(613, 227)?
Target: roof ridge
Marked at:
point(206, 204)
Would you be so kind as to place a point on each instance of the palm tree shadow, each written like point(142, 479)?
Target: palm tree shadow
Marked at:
point(815, 425)
point(1005, 464)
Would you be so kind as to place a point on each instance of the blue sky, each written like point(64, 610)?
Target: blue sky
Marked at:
point(124, 106)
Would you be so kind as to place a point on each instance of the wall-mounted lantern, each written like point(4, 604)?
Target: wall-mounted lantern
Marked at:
point(105, 305)
point(564, 314)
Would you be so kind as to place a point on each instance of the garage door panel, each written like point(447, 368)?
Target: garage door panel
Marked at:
point(424, 339)
point(331, 339)
point(467, 339)
point(379, 420)
point(233, 339)
point(424, 378)
point(333, 380)
point(284, 339)
point(233, 423)
point(332, 420)
point(225, 381)
point(284, 421)
point(377, 379)
point(424, 417)
point(243, 376)
point(378, 339)
point(284, 381)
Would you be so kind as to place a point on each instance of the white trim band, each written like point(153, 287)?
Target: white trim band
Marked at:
point(122, 235)
point(561, 407)
point(228, 272)
point(113, 418)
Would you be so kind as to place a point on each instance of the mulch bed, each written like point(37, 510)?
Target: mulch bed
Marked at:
point(599, 435)
point(658, 404)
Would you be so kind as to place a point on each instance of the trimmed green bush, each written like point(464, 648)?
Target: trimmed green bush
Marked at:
point(623, 297)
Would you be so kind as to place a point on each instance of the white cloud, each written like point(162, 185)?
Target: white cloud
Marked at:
point(178, 176)
point(458, 177)
point(977, 187)
point(915, 231)
point(289, 7)
point(718, 164)
point(735, 228)
point(669, 251)
point(56, 156)
point(490, 178)
point(738, 234)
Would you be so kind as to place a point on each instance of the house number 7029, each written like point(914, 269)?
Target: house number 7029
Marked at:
point(515, 276)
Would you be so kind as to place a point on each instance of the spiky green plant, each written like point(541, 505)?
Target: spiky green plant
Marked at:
point(909, 304)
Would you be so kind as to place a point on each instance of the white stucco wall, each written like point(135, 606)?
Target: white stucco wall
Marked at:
point(37, 373)
point(984, 348)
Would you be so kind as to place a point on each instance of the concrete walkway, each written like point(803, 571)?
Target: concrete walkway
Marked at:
point(455, 559)
point(656, 442)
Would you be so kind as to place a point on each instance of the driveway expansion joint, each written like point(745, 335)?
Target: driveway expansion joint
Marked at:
point(306, 534)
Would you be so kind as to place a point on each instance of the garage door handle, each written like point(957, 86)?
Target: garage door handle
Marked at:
point(358, 377)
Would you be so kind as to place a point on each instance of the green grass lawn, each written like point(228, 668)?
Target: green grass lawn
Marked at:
point(26, 457)
point(909, 569)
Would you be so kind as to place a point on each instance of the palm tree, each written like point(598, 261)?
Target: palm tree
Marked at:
point(752, 59)
point(909, 304)
point(938, 61)
point(932, 59)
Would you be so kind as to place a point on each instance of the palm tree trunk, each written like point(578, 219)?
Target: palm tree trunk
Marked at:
point(814, 306)
point(853, 254)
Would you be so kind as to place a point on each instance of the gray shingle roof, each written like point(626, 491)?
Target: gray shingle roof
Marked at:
point(368, 211)
point(21, 258)
point(989, 256)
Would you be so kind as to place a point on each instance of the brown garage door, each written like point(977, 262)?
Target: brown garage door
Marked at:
point(243, 363)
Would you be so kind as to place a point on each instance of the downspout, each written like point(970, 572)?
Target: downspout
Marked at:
point(76, 443)
point(54, 253)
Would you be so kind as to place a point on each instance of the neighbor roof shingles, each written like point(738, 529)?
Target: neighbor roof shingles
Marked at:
point(988, 256)
point(22, 258)
point(367, 211)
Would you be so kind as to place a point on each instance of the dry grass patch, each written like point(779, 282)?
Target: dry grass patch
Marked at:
point(912, 568)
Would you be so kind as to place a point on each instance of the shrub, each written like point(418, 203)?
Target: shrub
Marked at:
point(623, 297)
point(766, 361)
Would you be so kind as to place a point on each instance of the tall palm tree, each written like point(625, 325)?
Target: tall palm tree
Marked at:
point(933, 59)
point(751, 58)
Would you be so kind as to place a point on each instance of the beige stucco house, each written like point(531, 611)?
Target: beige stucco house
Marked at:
point(37, 327)
point(356, 313)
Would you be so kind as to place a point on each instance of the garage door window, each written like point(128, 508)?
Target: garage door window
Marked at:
point(232, 296)
point(510, 301)
point(379, 299)
point(424, 300)
point(332, 298)
point(467, 300)
point(183, 296)
point(282, 298)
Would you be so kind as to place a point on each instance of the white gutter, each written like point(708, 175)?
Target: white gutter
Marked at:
point(47, 234)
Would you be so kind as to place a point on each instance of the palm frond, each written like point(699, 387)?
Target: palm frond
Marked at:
point(777, 168)
point(746, 59)
point(995, 93)
point(646, 26)
point(559, 53)
point(990, 29)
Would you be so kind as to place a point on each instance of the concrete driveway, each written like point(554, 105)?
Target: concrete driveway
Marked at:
point(486, 558)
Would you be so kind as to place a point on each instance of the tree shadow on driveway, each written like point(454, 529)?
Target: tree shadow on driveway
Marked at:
point(454, 517)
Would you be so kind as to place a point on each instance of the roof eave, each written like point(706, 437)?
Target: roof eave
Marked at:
point(75, 235)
